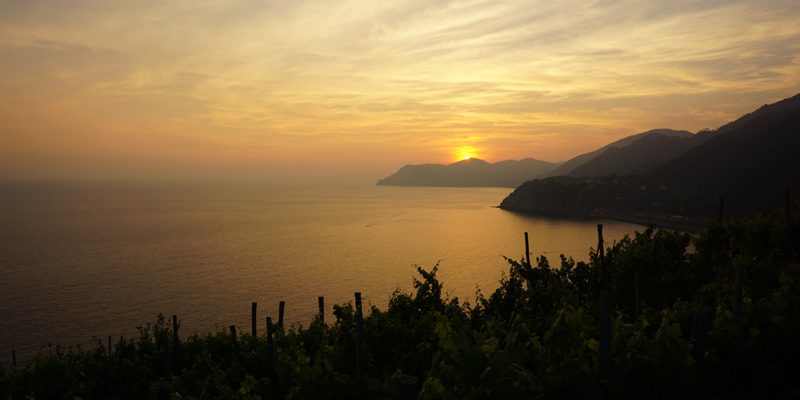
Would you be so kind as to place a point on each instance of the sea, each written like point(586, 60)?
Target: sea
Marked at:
point(82, 262)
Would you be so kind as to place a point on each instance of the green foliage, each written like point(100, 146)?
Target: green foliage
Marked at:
point(535, 336)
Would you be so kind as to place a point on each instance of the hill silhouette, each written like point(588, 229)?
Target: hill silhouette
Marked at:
point(643, 155)
point(471, 172)
point(749, 161)
point(612, 150)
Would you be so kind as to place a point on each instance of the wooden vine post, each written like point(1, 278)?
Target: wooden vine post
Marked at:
point(253, 323)
point(321, 301)
point(269, 333)
point(359, 338)
point(281, 309)
point(605, 307)
point(527, 250)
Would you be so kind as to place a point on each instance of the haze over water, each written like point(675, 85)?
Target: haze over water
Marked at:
point(83, 261)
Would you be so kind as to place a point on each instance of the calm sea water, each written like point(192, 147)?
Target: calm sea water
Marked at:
point(82, 261)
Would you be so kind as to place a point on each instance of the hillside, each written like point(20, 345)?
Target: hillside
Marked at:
point(472, 172)
point(750, 162)
point(608, 151)
point(639, 157)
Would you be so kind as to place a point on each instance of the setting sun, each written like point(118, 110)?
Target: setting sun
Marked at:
point(466, 152)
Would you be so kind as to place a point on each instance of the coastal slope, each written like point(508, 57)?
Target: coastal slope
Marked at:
point(612, 151)
point(750, 162)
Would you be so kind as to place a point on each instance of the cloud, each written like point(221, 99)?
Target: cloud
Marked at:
point(547, 79)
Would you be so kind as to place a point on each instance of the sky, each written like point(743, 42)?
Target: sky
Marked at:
point(328, 91)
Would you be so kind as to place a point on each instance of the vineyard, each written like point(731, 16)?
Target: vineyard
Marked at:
point(660, 314)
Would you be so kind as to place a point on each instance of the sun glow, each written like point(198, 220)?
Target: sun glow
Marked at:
point(466, 152)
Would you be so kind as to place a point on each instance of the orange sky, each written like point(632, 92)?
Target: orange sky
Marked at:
point(348, 91)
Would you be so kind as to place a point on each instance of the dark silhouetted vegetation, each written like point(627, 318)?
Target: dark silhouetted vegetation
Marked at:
point(535, 336)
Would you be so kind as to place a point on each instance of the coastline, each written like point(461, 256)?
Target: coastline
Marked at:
point(663, 222)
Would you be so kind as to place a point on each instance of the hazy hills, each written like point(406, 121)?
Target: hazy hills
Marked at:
point(661, 176)
point(633, 154)
point(640, 156)
point(749, 161)
point(470, 172)
point(611, 156)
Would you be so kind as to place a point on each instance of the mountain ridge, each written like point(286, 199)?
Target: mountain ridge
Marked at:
point(750, 162)
point(472, 172)
point(568, 166)
point(640, 156)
